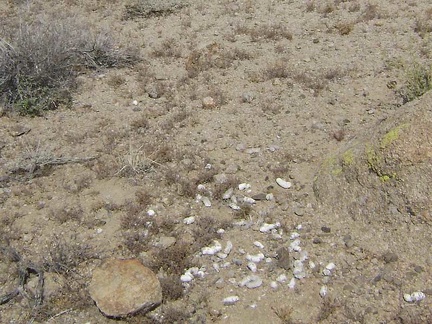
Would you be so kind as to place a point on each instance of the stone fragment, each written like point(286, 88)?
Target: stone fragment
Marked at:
point(389, 257)
point(125, 287)
point(208, 103)
point(260, 196)
point(283, 258)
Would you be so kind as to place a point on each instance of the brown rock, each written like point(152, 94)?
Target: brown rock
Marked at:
point(283, 258)
point(124, 287)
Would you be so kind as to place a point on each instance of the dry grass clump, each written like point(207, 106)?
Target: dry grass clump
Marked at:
point(152, 8)
point(418, 82)
point(205, 230)
point(344, 28)
point(315, 83)
point(267, 31)
point(39, 60)
point(67, 214)
point(65, 257)
point(310, 6)
point(278, 69)
point(284, 313)
point(172, 288)
point(213, 56)
point(168, 48)
point(423, 24)
point(369, 13)
point(173, 260)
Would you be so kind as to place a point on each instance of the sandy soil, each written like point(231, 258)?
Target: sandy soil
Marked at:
point(291, 82)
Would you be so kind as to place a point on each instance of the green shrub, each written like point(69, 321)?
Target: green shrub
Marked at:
point(39, 61)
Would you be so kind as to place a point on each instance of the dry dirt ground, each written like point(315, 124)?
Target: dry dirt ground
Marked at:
point(292, 83)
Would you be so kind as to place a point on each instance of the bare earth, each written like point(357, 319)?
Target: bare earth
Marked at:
point(291, 84)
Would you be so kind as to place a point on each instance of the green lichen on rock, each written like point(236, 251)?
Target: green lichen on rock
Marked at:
point(391, 136)
point(376, 164)
point(373, 159)
point(348, 158)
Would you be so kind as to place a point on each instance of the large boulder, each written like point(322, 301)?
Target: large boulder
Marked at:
point(380, 183)
point(124, 287)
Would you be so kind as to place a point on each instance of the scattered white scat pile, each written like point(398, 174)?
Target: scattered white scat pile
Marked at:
point(242, 268)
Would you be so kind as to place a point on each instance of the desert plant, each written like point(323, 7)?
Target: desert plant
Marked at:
point(423, 24)
point(151, 8)
point(418, 82)
point(40, 59)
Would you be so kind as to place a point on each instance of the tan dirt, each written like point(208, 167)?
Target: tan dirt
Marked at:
point(293, 83)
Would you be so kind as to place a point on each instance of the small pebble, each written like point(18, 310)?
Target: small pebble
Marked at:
point(349, 243)
point(317, 240)
point(260, 196)
point(299, 212)
point(273, 284)
point(326, 229)
point(151, 212)
point(208, 103)
point(389, 257)
point(237, 262)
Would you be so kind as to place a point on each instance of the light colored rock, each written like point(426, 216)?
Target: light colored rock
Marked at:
point(231, 300)
point(189, 220)
point(124, 287)
point(208, 103)
point(283, 183)
point(166, 241)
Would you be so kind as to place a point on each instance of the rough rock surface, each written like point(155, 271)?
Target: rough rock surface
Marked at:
point(124, 287)
point(384, 177)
